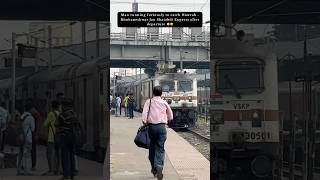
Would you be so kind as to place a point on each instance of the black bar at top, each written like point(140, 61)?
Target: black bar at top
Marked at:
point(160, 19)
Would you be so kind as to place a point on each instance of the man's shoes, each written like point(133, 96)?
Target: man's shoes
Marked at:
point(154, 173)
point(159, 173)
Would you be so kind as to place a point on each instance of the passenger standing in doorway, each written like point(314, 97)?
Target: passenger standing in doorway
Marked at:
point(28, 126)
point(36, 115)
point(131, 105)
point(4, 119)
point(125, 101)
point(52, 148)
point(67, 138)
point(157, 113)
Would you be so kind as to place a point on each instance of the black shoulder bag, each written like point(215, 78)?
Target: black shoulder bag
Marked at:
point(142, 138)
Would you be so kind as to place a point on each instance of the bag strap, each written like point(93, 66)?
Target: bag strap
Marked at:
point(149, 110)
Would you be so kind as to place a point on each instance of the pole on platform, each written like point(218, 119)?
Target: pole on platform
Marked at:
point(292, 133)
point(84, 50)
point(206, 96)
point(114, 85)
point(50, 46)
point(181, 63)
point(228, 18)
point(97, 39)
point(36, 66)
point(13, 86)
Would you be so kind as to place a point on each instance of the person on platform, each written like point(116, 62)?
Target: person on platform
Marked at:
point(53, 155)
point(67, 138)
point(156, 114)
point(36, 115)
point(131, 105)
point(118, 105)
point(125, 103)
point(4, 119)
point(28, 126)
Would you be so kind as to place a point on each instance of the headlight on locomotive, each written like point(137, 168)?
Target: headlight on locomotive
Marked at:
point(190, 98)
point(237, 139)
point(169, 101)
point(261, 166)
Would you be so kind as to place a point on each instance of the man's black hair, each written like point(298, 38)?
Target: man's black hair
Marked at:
point(67, 102)
point(55, 104)
point(157, 91)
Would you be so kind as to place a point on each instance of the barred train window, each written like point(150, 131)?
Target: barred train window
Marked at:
point(240, 75)
point(185, 85)
point(167, 86)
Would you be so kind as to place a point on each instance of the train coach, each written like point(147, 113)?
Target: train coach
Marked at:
point(179, 90)
point(244, 111)
point(86, 84)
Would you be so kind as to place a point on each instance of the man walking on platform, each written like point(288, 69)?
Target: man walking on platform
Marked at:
point(156, 114)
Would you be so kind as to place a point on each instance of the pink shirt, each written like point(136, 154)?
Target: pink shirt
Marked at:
point(160, 111)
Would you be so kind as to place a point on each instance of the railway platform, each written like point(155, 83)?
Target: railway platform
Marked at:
point(87, 169)
point(128, 162)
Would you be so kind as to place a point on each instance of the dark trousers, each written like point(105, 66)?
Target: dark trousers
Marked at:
point(130, 110)
point(67, 153)
point(34, 151)
point(2, 140)
point(158, 136)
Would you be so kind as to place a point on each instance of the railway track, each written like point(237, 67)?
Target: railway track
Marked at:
point(197, 140)
point(199, 135)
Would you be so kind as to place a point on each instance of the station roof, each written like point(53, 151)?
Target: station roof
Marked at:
point(270, 11)
point(54, 10)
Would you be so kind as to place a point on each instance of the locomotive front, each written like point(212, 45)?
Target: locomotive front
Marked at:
point(180, 92)
point(244, 110)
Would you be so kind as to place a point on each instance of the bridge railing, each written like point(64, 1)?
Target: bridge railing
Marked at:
point(203, 37)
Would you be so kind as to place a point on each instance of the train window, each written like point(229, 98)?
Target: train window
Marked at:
point(239, 75)
point(185, 85)
point(167, 86)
